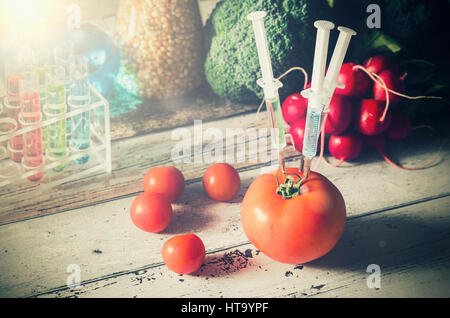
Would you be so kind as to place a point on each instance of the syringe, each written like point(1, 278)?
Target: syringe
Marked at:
point(322, 88)
point(269, 84)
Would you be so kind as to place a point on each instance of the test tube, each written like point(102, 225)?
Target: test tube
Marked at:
point(31, 115)
point(41, 64)
point(63, 55)
point(80, 97)
point(13, 101)
point(56, 105)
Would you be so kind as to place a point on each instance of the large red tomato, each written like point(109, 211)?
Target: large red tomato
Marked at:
point(293, 230)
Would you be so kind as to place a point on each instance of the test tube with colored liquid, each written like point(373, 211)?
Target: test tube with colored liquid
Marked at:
point(80, 97)
point(56, 106)
point(63, 55)
point(41, 64)
point(12, 103)
point(31, 115)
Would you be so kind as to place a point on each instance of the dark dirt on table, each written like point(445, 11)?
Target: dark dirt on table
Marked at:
point(229, 263)
point(318, 287)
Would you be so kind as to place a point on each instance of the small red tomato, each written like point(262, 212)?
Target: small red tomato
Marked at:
point(183, 254)
point(221, 182)
point(294, 108)
point(151, 212)
point(168, 181)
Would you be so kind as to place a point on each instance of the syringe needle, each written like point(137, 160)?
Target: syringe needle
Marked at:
point(302, 163)
point(282, 161)
point(307, 168)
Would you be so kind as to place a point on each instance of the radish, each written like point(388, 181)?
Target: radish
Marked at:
point(339, 115)
point(297, 132)
point(374, 142)
point(393, 82)
point(345, 147)
point(294, 108)
point(400, 126)
point(378, 142)
point(356, 81)
point(369, 117)
point(379, 63)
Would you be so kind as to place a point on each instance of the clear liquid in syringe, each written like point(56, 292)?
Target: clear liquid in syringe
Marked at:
point(276, 123)
point(312, 131)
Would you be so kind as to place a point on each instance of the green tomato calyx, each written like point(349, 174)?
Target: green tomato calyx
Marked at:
point(290, 188)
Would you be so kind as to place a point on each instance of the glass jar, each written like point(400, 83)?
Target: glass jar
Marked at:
point(162, 43)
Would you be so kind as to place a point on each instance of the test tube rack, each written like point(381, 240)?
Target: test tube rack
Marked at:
point(15, 178)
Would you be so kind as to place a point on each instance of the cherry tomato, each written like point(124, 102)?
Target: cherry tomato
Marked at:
point(298, 229)
point(294, 108)
point(151, 212)
point(168, 181)
point(221, 182)
point(183, 254)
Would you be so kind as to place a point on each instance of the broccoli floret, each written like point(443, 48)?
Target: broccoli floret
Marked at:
point(232, 65)
point(407, 20)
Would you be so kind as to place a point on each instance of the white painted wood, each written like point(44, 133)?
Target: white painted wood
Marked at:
point(411, 245)
point(39, 250)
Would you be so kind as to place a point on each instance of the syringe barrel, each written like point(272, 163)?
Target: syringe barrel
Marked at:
point(273, 106)
point(314, 117)
point(262, 46)
point(338, 58)
point(320, 54)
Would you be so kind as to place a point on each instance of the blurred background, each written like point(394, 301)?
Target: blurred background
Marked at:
point(179, 60)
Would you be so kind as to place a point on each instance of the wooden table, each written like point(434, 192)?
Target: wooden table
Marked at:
point(399, 220)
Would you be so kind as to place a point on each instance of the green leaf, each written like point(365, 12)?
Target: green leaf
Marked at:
point(435, 88)
point(381, 40)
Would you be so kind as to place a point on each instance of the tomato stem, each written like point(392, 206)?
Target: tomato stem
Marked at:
point(290, 188)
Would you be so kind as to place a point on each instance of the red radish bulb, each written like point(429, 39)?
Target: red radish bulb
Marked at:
point(400, 126)
point(379, 63)
point(297, 131)
point(339, 115)
point(345, 147)
point(393, 82)
point(356, 81)
point(368, 117)
point(374, 142)
point(294, 108)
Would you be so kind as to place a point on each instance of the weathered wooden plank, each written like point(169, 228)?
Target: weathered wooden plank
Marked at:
point(72, 237)
point(411, 245)
point(131, 158)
